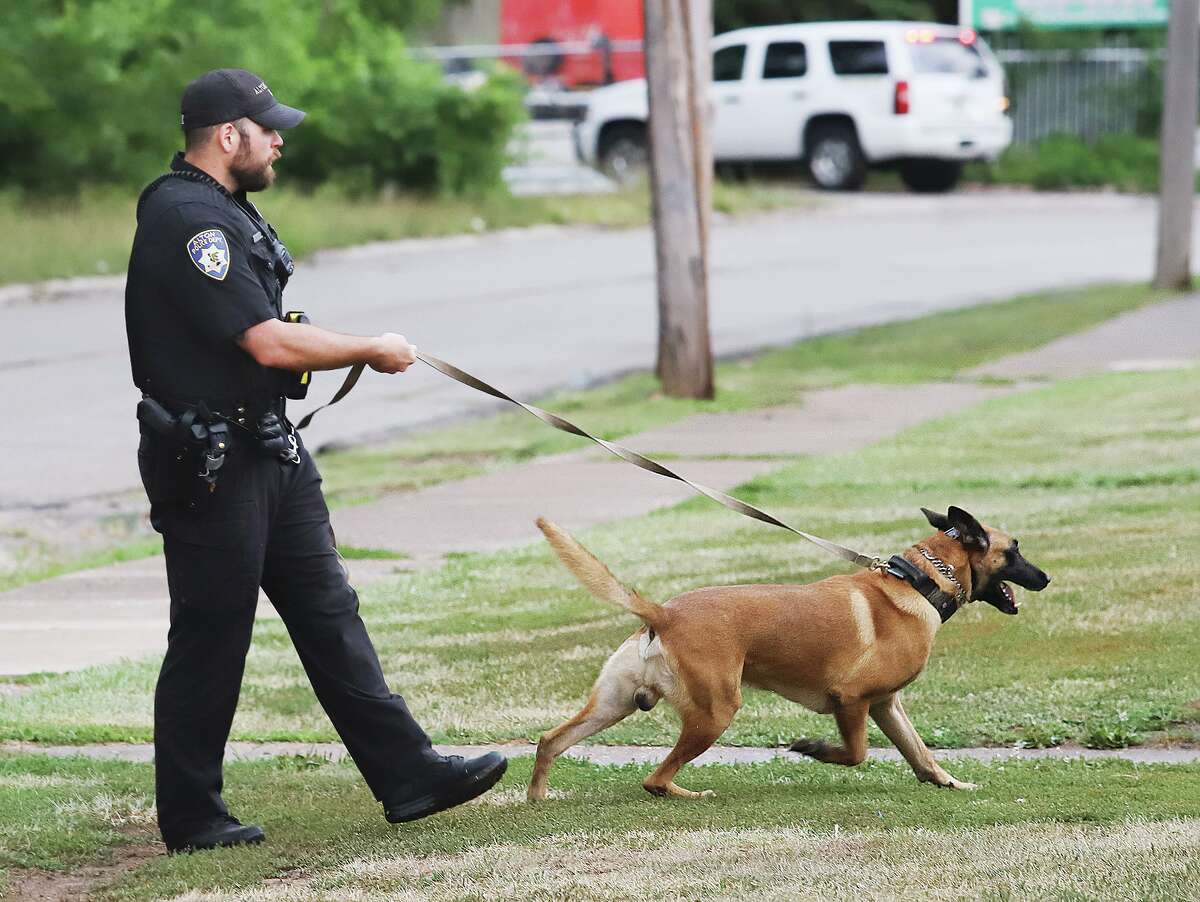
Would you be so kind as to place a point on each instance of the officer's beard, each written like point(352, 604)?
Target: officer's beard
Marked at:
point(249, 176)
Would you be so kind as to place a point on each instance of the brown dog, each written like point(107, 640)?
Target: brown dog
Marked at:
point(844, 646)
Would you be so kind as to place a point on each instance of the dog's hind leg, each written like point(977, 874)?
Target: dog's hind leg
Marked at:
point(893, 720)
point(700, 731)
point(603, 709)
point(612, 699)
point(852, 724)
point(706, 713)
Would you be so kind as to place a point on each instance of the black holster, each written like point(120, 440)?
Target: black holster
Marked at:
point(204, 438)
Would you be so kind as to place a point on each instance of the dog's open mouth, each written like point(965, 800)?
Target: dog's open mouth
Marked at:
point(1000, 596)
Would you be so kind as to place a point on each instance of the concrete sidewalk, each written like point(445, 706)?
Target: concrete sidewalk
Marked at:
point(143, 752)
point(99, 616)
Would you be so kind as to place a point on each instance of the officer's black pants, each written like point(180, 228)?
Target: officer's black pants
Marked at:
point(266, 524)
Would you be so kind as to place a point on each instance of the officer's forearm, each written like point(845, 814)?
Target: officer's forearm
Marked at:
point(299, 346)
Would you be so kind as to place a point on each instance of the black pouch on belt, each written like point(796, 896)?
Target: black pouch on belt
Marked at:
point(276, 438)
point(210, 443)
point(272, 435)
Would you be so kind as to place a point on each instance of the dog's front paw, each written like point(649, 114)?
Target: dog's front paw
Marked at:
point(814, 748)
point(943, 780)
point(670, 790)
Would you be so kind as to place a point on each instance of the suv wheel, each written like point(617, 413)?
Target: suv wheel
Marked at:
point(931, 176)
point(624, 156)
point(835, 160)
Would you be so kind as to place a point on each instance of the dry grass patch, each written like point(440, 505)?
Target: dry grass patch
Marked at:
point(1135, 859)
point(1034, 829)
point(44, 781)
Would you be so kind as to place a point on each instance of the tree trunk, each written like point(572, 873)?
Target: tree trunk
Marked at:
point(1177, 171)
point(680, 173)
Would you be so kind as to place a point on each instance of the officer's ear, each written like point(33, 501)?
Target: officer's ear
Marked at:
point(228, 137)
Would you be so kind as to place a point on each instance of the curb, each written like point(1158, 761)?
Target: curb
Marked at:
point(55, 290)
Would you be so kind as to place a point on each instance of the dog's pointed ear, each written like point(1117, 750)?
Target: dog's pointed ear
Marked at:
point(936, 520)
point(970, 532)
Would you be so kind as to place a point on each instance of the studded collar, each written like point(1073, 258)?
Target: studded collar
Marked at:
point(943, 602)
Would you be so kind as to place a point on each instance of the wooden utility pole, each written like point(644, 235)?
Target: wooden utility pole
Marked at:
point(700, 34)
point(678, 74)
point(1177, 168)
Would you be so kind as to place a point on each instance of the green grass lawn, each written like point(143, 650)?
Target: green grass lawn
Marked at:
point(1096, 476)
point(92, 235)
point(1052, 830)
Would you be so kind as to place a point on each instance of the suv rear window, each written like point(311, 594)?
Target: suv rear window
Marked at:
point(948, 56)
point(785, 59)
point(858, 57)
point(727, 63)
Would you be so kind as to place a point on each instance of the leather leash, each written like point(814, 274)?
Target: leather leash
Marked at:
point(350, 381)
point(638, 460)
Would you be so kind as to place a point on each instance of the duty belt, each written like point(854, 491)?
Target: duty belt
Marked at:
point(267, 426)
point(206, 425)
point(240, 413)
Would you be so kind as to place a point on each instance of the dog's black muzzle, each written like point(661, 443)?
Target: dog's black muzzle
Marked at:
point(996, 591)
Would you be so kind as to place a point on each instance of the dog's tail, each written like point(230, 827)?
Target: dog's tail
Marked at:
point(597, 578)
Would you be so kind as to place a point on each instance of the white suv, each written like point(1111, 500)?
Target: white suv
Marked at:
point(842, 96)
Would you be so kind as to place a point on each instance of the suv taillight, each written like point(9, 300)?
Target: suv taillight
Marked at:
point(900, 102)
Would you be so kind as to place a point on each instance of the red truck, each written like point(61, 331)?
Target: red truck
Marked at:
point(598, 28)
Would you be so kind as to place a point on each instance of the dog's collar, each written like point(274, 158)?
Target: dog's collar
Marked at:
point(960, 594)
point(943, 602)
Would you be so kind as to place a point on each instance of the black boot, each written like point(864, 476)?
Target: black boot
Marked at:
point(215, 833)
point(448, 782)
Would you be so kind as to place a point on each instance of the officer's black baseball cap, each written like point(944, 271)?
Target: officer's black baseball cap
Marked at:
point(224, 95)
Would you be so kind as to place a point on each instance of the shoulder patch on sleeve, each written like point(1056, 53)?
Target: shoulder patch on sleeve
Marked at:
point(210, 252)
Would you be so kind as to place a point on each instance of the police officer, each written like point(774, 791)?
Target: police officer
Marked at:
point(232, 489)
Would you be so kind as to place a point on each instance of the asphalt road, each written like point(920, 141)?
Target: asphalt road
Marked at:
point(552, 307)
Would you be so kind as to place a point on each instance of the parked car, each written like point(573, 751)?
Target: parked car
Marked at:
point(840, 96)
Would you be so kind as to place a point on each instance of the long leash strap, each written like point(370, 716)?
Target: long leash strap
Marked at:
point(639, 460)
point(626, 454)
point(350, 381)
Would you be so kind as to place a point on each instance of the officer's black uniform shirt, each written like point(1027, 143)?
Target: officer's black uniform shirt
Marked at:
point(200, 274)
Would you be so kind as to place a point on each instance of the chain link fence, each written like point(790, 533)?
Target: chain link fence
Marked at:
point(1087, 93)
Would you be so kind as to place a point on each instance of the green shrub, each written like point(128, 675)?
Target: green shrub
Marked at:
point(1065, 162)
point(1132, 161)
point(89, 92)
point(376, 120)
point(1125, 162)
